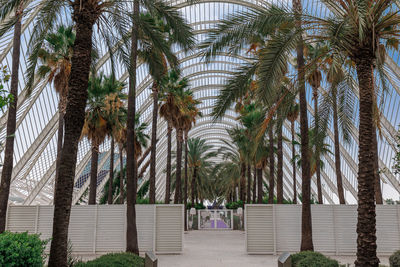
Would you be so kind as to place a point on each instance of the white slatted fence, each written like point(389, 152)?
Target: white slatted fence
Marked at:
point(273, 229)
point(102, 228)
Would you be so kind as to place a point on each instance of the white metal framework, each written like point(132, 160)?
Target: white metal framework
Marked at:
point(36, 138)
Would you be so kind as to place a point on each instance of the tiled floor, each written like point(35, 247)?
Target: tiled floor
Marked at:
point(223, 249)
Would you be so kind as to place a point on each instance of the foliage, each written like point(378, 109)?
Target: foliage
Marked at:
point(114, 260)
point(21, 249)
point(5, 97)
point(146, 201)
point(265, 200)
point(197, 206)
point(312, 259)
point(394, 260)
point(396, 159)
point(390, 201)
point(234, 205)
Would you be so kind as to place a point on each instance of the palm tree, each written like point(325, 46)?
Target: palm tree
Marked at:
point(116, 119)
point(338, 101)
point(173, 18)
point(56, 59)
point(316, 139)
point(95, 127)
point(12, 110)
point(314, 78)
point(171, 86)
point(157, 60)
point(199, 156)
point(271, 184)
point(292, 117)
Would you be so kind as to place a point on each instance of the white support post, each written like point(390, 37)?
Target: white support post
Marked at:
point(125, 224)
point(95, 228)
point(154, 227)
point(334, 230)
point(398, 221)
point(231, 211)
point(37, 219)
point(8, 210)
point(274, 226)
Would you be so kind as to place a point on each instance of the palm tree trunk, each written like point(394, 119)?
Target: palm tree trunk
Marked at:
point(260, 192)
point(193, 185)
point(168, 174)
point(185, 197)
point(73, 122)
point(178, 181)
point(293, 165)
point(254, 184)
point(93, 174)
point(317, 146)
point(60, 135)
point(248, 183)
point(121, 176)
point(378, 191)
point(279, 178)
point(271, 167)
point(152, 192)
point(243, 182)
point(306, 223)
point(131, 169)
point(111, 179)
point(339, 180)
point(366, 224)
point(11, 125)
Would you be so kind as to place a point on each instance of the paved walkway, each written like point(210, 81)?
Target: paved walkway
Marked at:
point(215, 248)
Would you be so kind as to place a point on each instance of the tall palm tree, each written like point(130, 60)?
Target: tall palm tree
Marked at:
point(292, 117)
point(56, 64)
point(199, 156)
point(115, 114)
point(338, 101)
point(314, 78)
point(158, 67)
point(306, 223)
point(95, 127)
point(12, 110)
point(172, 86)
point(271, 184)
point(173, 18)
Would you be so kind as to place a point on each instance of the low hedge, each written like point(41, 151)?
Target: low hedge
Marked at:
point(312, 259)
point(114, 260)
point(394, 260)
point(21, 249)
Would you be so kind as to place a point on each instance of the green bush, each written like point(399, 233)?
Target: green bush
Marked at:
point(312, 259)
point(114, 260)
point(197, 206)
point(234, 205)
point(395, 259)
point(21, 249)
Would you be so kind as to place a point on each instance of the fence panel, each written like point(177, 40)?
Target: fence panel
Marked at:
point(334, 228)
point(110, 235)
point(169, 229)
point(259, 227)
point(102, 228)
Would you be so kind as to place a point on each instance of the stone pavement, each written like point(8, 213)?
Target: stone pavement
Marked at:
point(215, 248)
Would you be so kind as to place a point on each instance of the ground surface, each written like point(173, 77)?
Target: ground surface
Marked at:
point(223, 249)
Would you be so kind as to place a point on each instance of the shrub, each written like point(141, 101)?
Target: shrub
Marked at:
point(197, 206)
point(114, 260)
point(234, 205)
point(312, 259)
point(21, 249)
point(394, 260)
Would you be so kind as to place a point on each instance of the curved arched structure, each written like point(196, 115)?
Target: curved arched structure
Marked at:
point(36, 140)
